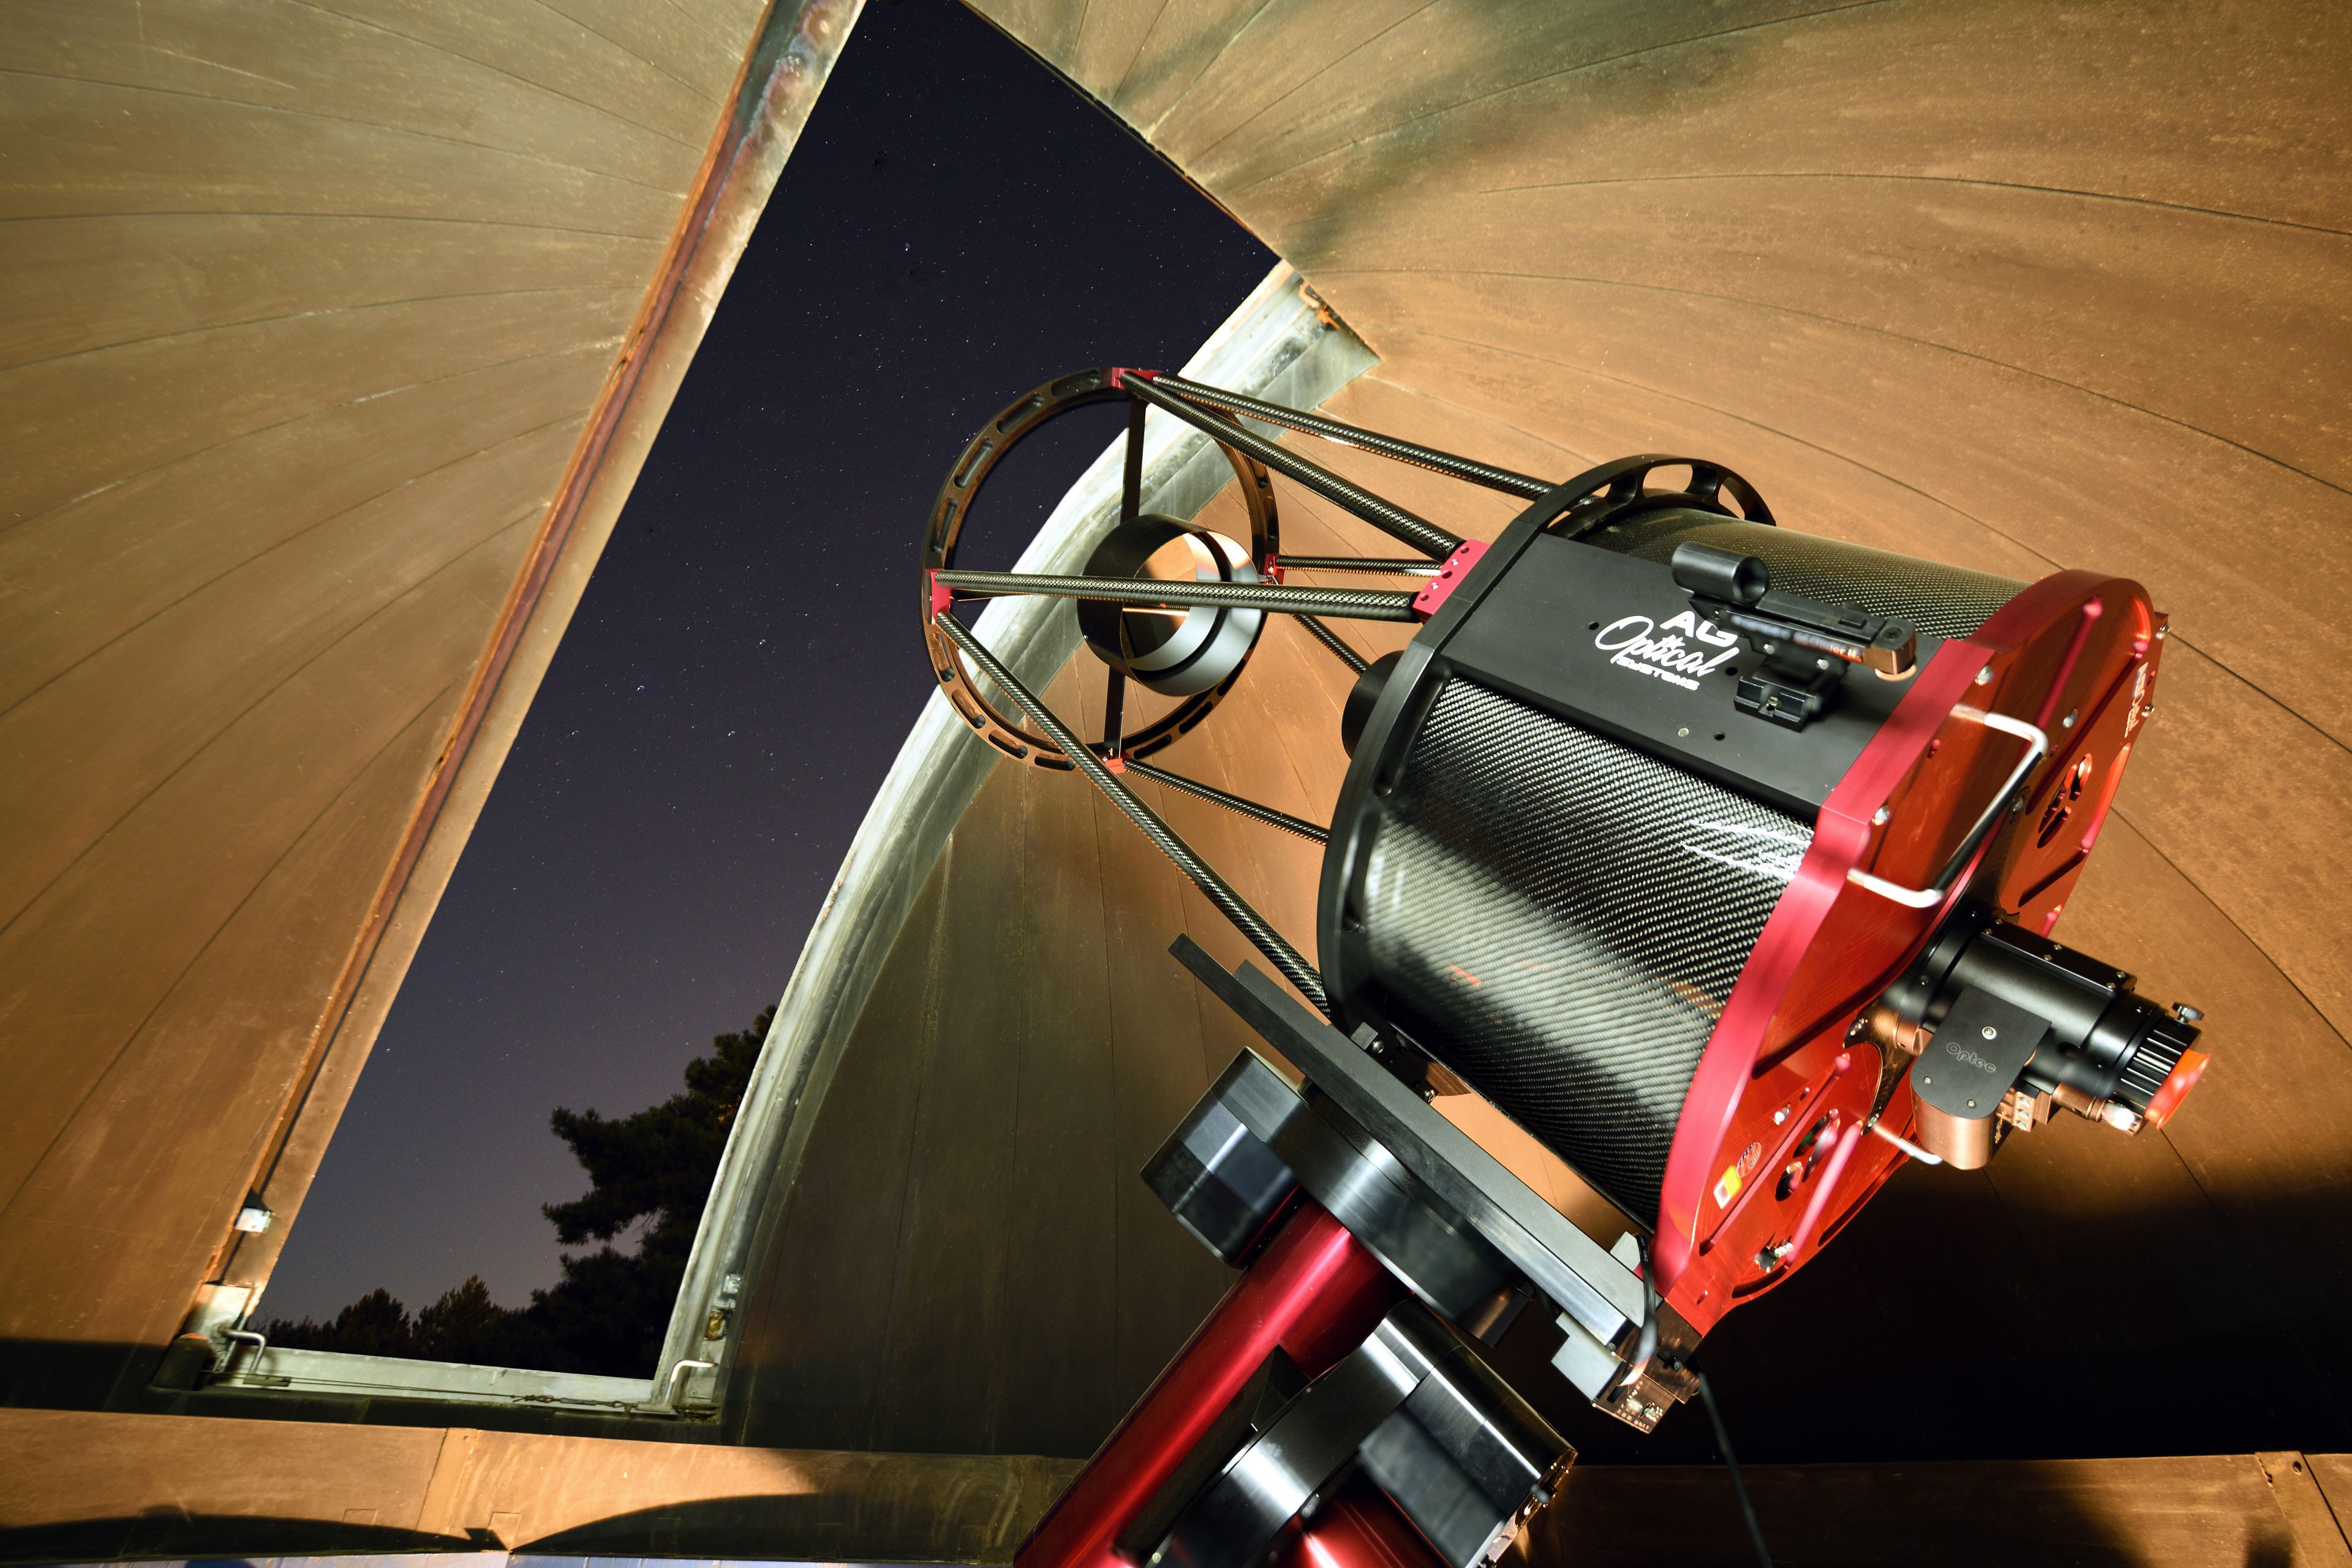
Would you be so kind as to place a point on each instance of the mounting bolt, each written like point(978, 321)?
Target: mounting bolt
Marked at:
point(1881, 817)
point(1820, 664)
point(2068, 722)
point(1991, 1033)
point(1684, 731)
point(1984, 676)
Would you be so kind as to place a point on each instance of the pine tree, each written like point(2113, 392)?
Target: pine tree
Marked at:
point(650, 1170)
point(376, 1325)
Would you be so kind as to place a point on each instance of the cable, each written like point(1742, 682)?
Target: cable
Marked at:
point(1731, 1465)
point(1645, 1347)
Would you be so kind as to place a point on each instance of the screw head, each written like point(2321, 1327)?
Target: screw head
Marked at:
point(2068, 722)
point(1991, 1033)
point(1972, 1105)
point(1881, 817)
point(1684, 731)
point(1984, 677)
point(1780, 1116)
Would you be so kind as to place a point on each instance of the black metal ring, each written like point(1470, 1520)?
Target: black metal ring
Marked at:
point(1613, 493)
point(945, 525)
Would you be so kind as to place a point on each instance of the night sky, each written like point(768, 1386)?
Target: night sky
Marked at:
point(956, 226)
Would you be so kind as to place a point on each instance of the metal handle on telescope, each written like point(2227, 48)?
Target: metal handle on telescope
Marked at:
point(1929, 897)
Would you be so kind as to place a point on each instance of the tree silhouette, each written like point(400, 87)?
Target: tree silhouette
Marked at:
point(610, 1309)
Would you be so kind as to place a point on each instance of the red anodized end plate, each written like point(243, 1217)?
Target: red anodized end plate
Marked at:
point(1745, 1163)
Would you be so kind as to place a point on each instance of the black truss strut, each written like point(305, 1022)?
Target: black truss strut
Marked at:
point(1385, 515)
point(1357, 663)
point(1233, 802)
point(1361, 564)
point(1342, 603)
point(1446, 463)
point(1230, 904)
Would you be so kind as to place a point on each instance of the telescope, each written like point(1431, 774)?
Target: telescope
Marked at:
point(1720, 858)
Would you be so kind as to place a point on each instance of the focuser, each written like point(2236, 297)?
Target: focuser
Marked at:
point(1803, 644)
point(2007, 1025)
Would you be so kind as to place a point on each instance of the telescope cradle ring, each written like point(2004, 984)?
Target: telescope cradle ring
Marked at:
point(1617, 492)
point(951, 509)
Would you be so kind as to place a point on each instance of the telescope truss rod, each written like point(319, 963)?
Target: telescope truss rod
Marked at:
point(1446, 463)
point(1285, 958)
point(1233, 802)
point(1360, 563)
point(1114, 713)
point(1342, 603)
point(1385, 515)
point(1131, 486)
point(1357, 664)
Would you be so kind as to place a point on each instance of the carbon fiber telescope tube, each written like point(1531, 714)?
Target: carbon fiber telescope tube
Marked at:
point(1385, 515)
point(1233, 802)
point(1446, 463)
point(1346, 604)
point(1285, 958)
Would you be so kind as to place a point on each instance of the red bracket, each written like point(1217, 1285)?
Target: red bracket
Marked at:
point(1272, 570)
point(942, 596)
point(1449, 577)
point(1118, 371)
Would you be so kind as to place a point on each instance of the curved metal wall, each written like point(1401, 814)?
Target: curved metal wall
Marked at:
point(333, 336)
